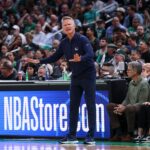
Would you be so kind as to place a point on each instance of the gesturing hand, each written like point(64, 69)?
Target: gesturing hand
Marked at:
point(76, 58)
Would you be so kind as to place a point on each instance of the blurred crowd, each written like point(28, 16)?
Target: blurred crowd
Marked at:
point(119, 31)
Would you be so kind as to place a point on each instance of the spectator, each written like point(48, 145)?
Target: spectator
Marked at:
point(39, 36)
point(12, 20)
point(3, 51)
point(141, 34)
point(119, 62)
point(107, 71)
point(102, 51)
point(98, 5)
point(100, 29)
point(6, 37)
point(64, 10)
point(54, 22)
point(136, 56)
point(42, 21)
point(145, 51)
point(133, 27)
point(26, 22)
point(110, 29)
point(65, 69)
point(55, 44)
point(111, 50)
point(120, 13)
point(18, 39)
point(119, 34)
point(11, 57)
point(77, 11)
point(41, 74)
point(31, 70)
point(57, 72)
point(111, 10)
point(146, 71)
point(131, 43)
point(138, 92)
point(89, 14)
point(91, 34)
point(132, 14)
point(7, 71)
point(35, 13)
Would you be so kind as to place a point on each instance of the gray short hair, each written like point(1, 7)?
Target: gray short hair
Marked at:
point(66, 17)
point(136, 66)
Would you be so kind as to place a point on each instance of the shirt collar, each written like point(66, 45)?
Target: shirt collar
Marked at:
point(76, 35)
point(135, 83)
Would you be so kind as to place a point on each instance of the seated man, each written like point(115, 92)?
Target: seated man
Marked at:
point(138, 92)
point(7, 71)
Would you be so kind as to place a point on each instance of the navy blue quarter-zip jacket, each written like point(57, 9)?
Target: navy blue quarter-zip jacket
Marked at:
point(79, 44)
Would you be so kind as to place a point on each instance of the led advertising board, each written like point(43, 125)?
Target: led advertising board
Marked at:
point(45, 114)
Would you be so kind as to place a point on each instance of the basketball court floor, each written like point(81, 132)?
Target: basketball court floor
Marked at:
point(46, 144)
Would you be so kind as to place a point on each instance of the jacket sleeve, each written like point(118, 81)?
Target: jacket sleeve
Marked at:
point(87, 48)
point(143, 94)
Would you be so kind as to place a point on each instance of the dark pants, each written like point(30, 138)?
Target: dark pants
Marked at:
point(144, 117)
point(130, 115)
point(76, 90)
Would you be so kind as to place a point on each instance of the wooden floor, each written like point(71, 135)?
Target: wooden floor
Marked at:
point(41, 144)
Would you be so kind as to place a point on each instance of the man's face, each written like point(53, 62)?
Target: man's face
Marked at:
point(29, 19)
point(135, 23)
point(63, 65)
point(41, 72)
point(135, 56)
point(4, 70)
point(130, 12)
point(142, 47)
point(119, 58)
point(140, 30)
point(68, 26)
point(15, 32)
point(102, 43)
point(130, 72)
point(131, 42)
point(115, 22)
point(4, 49)
point(38, 28)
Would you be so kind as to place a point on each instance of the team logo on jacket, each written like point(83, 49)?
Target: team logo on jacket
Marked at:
point(76, 48)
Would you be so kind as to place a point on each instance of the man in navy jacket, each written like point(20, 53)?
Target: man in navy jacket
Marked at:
point(79, 53)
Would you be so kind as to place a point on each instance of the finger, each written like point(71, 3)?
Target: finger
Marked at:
point(76, 56)
point(115, 108)
point(71, 60)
